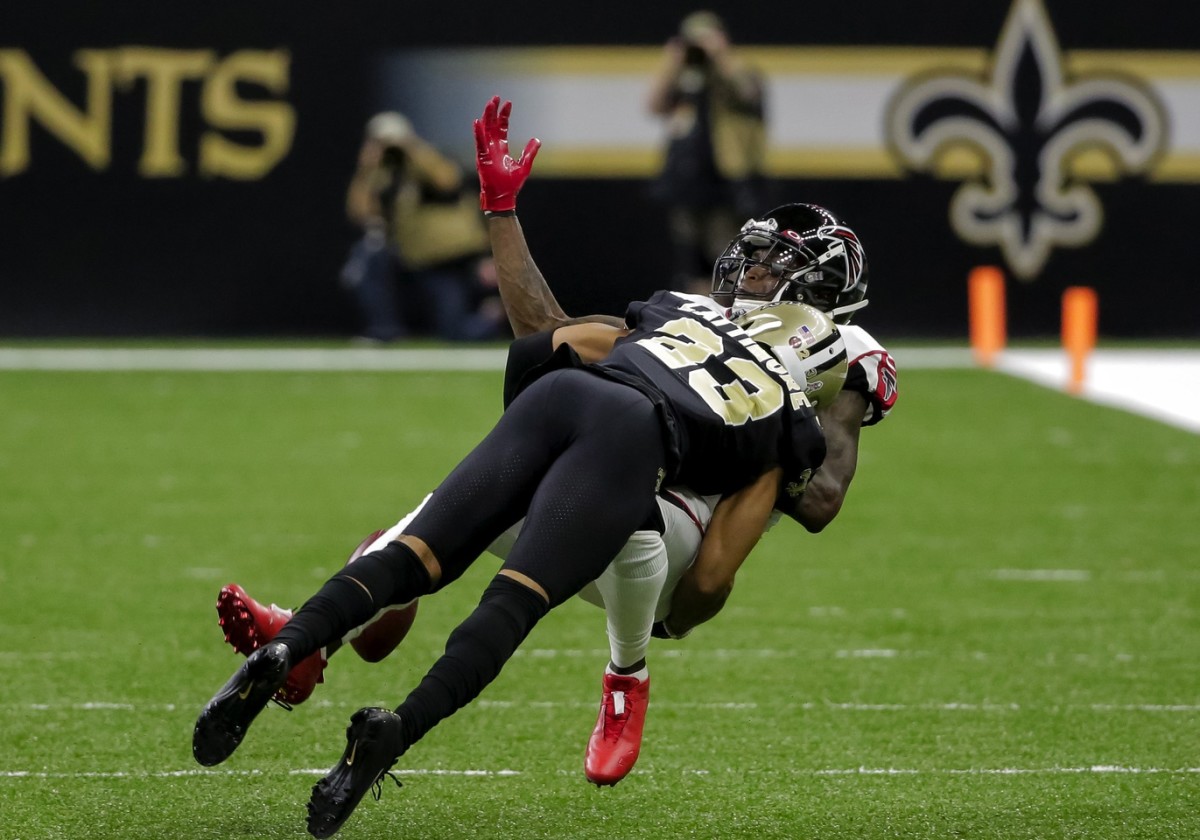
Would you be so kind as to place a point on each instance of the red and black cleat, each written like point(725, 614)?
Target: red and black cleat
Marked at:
point(248, 625)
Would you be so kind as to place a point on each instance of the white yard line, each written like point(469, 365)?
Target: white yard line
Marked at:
point(1094, 769)
point(807, 705)
point(1159, 384)
point(175, 774)
point(1099, 769)
point(1043, 575)
point(327, 359)
point(249, 359)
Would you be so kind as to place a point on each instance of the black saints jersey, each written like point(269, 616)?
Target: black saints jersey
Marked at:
point(730, 409)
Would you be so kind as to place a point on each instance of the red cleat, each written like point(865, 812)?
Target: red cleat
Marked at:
point(248, 625)
point(613, 748)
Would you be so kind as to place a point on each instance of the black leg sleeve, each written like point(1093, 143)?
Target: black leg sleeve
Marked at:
point(391, 575)
point(475, 653)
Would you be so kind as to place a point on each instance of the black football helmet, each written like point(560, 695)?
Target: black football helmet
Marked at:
point(808, 255)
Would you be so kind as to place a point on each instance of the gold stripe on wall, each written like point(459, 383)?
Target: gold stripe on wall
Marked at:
point(781, 163)
point(606, 162)
point(814, 162)
point(876, 164)
point(1177, 168)
point(885, 61)
point(834, 162)
point(1148, 64)
point(772, 61)
point(874, 61)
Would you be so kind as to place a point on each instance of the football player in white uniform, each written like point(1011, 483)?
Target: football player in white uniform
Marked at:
point(675, 579)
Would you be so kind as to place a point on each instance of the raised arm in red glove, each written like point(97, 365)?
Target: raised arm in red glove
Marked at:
point(500, 177)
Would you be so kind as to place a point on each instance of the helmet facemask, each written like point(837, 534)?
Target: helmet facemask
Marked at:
point(823, 267)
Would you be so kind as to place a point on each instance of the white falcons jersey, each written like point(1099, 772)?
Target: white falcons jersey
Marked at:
point(872, 372)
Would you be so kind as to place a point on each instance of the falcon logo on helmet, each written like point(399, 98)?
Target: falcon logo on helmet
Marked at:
point(797, 252)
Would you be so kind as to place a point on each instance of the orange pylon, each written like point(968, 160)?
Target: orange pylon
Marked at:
point(985, 304)
point(1080, 313)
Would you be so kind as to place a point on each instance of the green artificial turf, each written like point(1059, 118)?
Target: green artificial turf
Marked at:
point(996, 639)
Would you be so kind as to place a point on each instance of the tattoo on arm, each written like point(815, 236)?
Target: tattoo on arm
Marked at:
point(527, 298)
point(530, 304)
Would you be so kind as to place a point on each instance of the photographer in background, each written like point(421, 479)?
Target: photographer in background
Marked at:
point(423, 264)
point(712, 176)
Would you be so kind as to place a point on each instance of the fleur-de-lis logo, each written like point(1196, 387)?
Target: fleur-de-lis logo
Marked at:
point(1027, 119)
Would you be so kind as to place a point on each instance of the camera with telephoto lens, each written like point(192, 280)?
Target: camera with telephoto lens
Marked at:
point(394, 155)
point(694, 55)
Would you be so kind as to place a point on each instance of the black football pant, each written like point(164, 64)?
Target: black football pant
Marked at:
point(579, 457)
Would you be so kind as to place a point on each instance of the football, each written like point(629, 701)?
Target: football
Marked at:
point(379, 638)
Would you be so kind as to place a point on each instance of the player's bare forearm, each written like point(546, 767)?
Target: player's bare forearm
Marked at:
point(826, 492)
point(737, 524)
point(528, 301)
point(692, 605)
point(530, 304)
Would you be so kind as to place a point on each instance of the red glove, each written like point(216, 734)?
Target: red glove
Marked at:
point(500, 177)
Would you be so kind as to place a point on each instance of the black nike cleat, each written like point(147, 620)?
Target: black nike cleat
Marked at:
point(374, 740)
point(223, 723)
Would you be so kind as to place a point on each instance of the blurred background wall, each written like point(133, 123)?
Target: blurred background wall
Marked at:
point(171, 169)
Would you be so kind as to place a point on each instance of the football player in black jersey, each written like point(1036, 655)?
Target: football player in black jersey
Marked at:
point(797, 252)
point(680, 394)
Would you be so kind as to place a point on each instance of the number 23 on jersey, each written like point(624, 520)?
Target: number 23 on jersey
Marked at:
point(752, 394)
